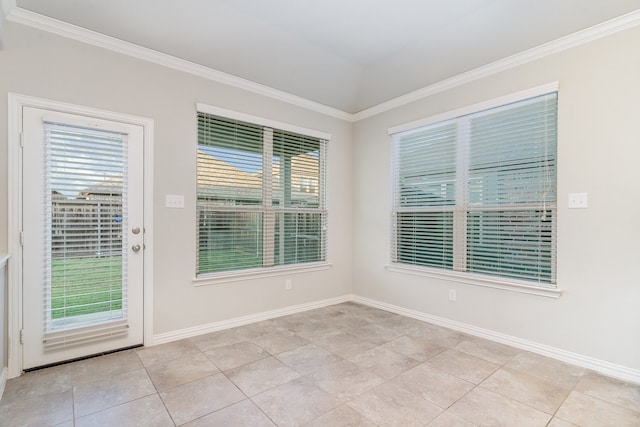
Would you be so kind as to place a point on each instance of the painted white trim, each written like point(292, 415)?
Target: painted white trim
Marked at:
point(587, 35)
point(245, 320)
point(16, 102)
point(54, 26)
point(3, 380)
point(477, 280)
point(257, 120)
point(64, 29)
point(606, 368)
point(480, 106)
point(14, 225)
point(243, 275)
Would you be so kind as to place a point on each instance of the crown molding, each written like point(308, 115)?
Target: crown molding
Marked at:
point(32, 19)
point(587, 35)
point(64, 29)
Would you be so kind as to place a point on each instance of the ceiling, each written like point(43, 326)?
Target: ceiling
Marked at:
point(346, 54)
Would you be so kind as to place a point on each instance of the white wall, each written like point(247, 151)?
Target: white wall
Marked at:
point(39, 64)
point(599, 145)
point(598, 252)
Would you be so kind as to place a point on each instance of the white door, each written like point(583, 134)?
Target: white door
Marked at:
point(83, 241)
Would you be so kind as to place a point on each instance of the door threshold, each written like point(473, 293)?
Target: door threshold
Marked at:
point(77, 359)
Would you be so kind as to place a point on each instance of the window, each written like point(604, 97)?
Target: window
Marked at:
point(253, 210)
point(476, 192)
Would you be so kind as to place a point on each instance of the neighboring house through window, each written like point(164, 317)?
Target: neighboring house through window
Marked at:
point(253, 211)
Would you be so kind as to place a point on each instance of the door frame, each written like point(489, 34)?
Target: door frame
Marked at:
point(15, 263)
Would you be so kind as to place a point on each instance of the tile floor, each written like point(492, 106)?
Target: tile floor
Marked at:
point(343, 365)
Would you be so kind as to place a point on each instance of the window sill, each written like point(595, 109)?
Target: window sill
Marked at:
point(239, 276)
point(478, 280)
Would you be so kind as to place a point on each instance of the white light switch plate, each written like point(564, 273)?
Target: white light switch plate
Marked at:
point(578, 200)
point(174, 201)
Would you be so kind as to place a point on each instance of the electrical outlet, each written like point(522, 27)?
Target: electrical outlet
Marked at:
point(288, 285)
point(578, 200)
point(452, 295)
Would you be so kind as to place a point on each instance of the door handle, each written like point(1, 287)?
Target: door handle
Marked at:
point(135, 248)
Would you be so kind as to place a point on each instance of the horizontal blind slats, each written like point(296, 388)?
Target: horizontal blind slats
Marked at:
point(492, 175)
point(257, 210)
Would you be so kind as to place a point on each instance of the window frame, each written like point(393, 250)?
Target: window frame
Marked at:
point(486, 280)
point(210, 278)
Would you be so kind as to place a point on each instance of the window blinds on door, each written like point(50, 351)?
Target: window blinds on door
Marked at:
point(86, 213)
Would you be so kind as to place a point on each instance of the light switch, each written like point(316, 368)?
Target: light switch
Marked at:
point(578, 200)
point(174, 201)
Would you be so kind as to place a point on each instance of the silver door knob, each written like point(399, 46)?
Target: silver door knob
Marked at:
point(135, 230)
point(135, 248)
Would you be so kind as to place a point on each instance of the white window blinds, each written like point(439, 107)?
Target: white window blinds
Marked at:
point(477, 193)
point(85, 180)
point(261, 196)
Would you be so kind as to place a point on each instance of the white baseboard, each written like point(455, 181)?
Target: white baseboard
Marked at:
point(606, 368)
point(4, 375)
point(245, 320)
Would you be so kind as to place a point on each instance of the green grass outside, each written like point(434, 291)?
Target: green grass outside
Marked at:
point(85, 286)
point(214, 260)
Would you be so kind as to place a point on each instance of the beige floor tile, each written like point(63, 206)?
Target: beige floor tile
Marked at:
point(534, 392)
point(374, 315)
point(384, 362)
point(357, 372)
point(439, 335)
point(181, 371)
point(343, 416)
point(37, 383)
point(405, 325)
point(37, 410)
point(392, 405)
point(256, 330)
point(278, 342)
point(92, 369)
point(462, 365)
point(146, 412)
point(241, 414)
point(610, 390)
point(588, 411)
point(233, 355)
point(348, 322)
point(91, 397)
point(295, 403)
point(447, 419)
point(557, 422)
point(434, 385)
point(261, 375)
point(415, 347)
point(308, 358)
point(314, 330)
point(488, 409)
point(345, 344)
point(212, 340)
point(198, 398)
point(488, 350)
point(560, 373)
point(345, 380)
point(164, 353)
point(376, 333)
